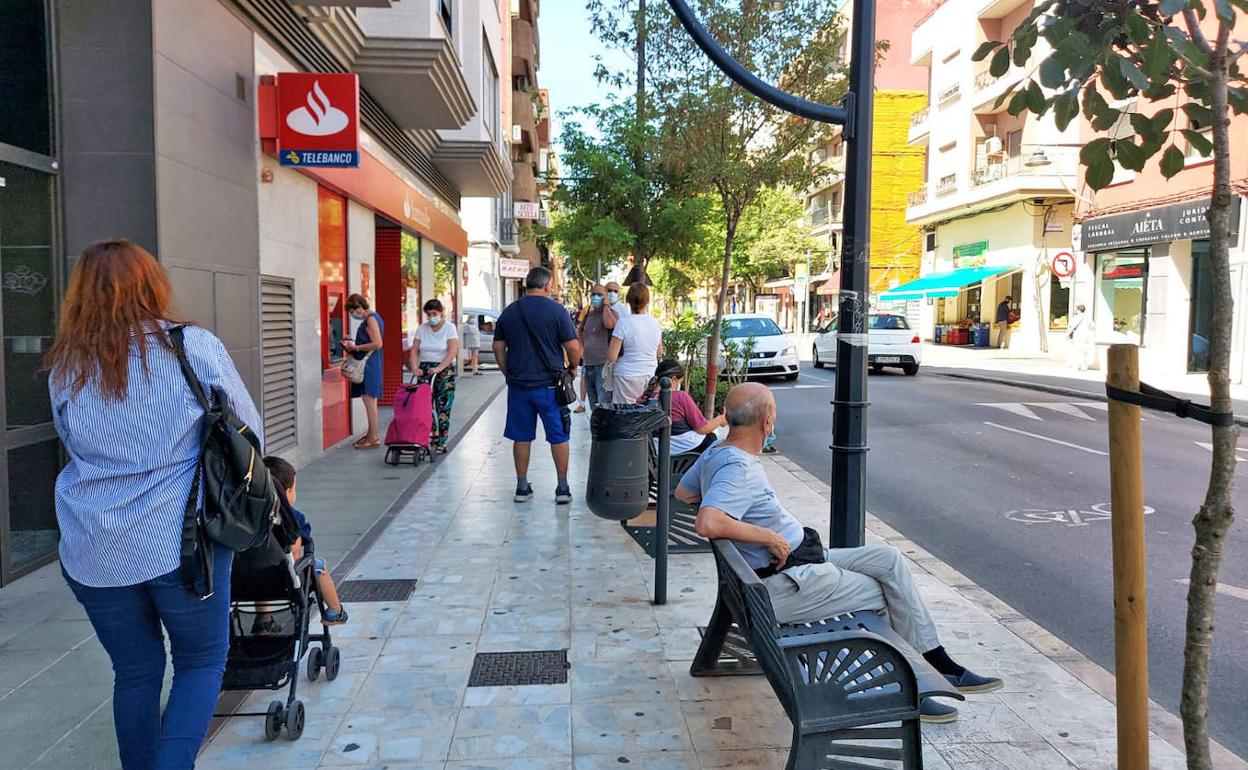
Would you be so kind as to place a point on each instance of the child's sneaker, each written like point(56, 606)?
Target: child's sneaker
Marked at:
point(332, 617)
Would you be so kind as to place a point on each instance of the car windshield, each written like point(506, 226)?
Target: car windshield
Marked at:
point(888, 322)
point(751, 327)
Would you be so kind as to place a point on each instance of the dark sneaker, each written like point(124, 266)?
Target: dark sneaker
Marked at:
point(970, 682)
point(933, 712)
point(563, 495)
point(523, 493)
point(332, 617)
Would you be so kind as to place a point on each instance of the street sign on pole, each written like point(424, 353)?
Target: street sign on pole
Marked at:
point(1063, 264)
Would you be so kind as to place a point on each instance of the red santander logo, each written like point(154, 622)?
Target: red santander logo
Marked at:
point(318, 119)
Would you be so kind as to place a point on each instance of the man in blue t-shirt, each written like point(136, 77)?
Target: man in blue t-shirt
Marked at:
point(531, 339)
point(805, 581)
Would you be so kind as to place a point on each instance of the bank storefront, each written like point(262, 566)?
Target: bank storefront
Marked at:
point(1152, 284)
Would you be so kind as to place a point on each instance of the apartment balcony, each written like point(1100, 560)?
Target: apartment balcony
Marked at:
point(507, 232)
point(524, 182)
point(525, 48)
point(477, 167)
point(920, 126)
point(524, 118)
point(995, 182)
point(405, 60)
point(824, 219)
point(917, 198)
point(989, 88)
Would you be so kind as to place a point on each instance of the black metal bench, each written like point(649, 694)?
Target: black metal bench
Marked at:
point(681, 535)
point(849, 684)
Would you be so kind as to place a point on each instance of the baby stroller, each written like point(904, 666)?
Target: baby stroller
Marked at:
point(270, 607)
point(408, 434)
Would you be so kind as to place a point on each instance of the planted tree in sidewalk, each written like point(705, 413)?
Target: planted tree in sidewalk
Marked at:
point(607, 210)
point(1178, 61)
point(732, 144)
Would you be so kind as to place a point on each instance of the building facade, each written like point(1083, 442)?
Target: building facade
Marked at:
point(150, 120)
point(997, 201)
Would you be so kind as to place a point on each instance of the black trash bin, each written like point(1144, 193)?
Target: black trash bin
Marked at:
point(618, 487)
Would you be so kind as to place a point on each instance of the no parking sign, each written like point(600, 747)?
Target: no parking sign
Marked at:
point(1063, 264)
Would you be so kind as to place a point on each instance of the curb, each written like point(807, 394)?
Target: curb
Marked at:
point(1161, 722)
point(1059, 390)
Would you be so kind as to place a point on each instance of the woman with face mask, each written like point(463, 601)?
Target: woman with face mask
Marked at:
point(434, 352)
point(367, 344)
point(691, 431)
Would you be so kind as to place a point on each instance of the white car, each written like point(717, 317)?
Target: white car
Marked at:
point(890, 342)
point(774, 354)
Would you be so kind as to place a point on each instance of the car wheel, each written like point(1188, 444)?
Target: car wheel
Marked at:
point(910, 369)
point(815, 354)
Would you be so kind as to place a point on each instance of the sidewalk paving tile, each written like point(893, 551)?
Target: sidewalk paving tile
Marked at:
point(507, 732)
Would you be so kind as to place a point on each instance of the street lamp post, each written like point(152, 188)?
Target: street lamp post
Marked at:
point(849, 414)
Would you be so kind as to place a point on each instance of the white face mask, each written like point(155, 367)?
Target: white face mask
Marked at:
point(612, 297)
point(435, 319)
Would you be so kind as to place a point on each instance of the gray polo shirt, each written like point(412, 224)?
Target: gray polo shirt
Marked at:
point(734, 481)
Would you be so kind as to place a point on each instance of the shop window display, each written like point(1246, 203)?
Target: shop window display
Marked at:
point(1121, 295)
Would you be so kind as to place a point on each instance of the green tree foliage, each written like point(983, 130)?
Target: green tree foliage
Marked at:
point(772, 236)
point(1178, 61)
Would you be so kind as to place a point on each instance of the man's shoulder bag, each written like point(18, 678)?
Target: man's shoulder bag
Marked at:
point(565, 380)
point(240, 504)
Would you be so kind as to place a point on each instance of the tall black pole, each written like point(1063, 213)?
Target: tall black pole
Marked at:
point(663, 517)
point(640, 137)
point(849, 414)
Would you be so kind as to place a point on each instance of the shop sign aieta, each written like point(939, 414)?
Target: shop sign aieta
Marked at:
point(1176, 222)
point(318, 119)
point(970, 254)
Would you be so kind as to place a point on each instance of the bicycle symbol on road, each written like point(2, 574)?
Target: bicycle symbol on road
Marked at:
point(1071, 517)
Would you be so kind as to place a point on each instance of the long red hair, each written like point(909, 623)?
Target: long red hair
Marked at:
point(116, 291)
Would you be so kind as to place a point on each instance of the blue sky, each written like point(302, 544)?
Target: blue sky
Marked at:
point(568, 50)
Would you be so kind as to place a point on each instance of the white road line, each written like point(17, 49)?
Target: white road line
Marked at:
point(1046, 438)
point(1064, 408)
point(1208, 446)
point(1223, 588)
point(1101, 405)
point(1018, 409)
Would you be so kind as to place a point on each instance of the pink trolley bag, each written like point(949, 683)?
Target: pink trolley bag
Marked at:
point(408, 434)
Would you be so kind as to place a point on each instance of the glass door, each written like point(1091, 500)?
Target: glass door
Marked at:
point(1201, 321)
point(335, 389)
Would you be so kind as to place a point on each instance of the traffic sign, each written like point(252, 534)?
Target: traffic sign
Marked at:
point(1064, 264)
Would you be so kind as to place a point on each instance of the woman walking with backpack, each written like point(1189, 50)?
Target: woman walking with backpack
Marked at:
point(131, 430)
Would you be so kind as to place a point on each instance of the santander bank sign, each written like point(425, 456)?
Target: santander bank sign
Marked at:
point(318, 119)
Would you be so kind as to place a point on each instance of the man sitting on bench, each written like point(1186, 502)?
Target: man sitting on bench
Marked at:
point(805, 581)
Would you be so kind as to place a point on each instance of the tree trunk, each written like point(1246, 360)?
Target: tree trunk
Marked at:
point(1216, 514)
point(712, 346)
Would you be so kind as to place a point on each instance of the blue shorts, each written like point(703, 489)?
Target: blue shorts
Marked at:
point(525, 405)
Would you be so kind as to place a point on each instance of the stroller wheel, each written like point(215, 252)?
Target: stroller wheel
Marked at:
point(315, 663)
point(331, 664)
point(294, 721)
point(273, 721)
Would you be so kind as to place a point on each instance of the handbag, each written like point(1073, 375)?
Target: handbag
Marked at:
point(241, 504)
point(565, 380)
point(353, 368)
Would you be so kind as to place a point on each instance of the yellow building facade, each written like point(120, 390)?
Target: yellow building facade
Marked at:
point(896, 169)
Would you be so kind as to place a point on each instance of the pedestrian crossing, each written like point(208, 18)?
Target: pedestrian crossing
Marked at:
point(1033, 410)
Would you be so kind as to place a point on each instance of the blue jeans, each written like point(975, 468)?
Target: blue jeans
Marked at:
point(128, 622)
point(594, 391)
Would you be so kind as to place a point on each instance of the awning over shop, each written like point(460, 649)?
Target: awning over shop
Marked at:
point(944, 284)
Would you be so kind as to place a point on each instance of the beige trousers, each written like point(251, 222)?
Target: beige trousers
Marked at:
point(873, 577)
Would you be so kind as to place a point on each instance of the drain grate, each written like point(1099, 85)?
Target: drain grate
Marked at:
point(353, 591)
point(510, 669)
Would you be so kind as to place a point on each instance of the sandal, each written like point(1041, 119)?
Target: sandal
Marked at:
point(368, 444)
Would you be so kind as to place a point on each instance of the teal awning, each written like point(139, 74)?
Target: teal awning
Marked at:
point(944, 284)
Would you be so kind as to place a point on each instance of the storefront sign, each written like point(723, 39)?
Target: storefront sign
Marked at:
point(1064, 264)
point(318, 119)
point(1112, 270)
point(513, 268)
point(528, 210)
point(800, 276)
point(970, 254)
point(1176, 222)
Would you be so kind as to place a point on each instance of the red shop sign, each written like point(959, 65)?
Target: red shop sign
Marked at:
point(318, 119)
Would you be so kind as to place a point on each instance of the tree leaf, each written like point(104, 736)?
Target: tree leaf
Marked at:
point(1171, 7)
point(1199, 113)
point(1093, 103)
point(1224, 9)
point(1158, 58)
point(1185, 46)
point(1134, 75)
point(1065, 109)
point(1113, 79)
point(1137, 28)
point(1200, 143)
point(1035, 98)
point(1238, 99)
point(1052, 72)
point(1172, 161)
point(1161, 121)
point(1100, 170)
point(984, 49)
point(1018, 103)
point(1093, 149)
point(1000, 62)
point(1129, 156)
point(1103, 120)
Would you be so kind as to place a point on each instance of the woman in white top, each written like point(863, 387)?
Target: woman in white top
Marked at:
point(434, 353)
point(470, 336)
point(636, 345)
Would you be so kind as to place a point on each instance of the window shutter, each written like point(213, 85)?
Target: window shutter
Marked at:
point(277, 338)
point(1122, 128)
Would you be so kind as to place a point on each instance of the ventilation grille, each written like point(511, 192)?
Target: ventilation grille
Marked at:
point(277, 339)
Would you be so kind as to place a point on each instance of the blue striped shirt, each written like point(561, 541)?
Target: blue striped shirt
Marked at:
point(121, 499)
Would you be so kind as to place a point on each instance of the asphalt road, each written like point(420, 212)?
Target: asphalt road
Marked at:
point(1011, 487)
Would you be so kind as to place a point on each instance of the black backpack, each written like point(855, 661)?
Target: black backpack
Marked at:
point(241, 505)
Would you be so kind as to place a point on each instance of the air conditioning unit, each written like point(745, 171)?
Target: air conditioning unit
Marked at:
point(992, 145)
